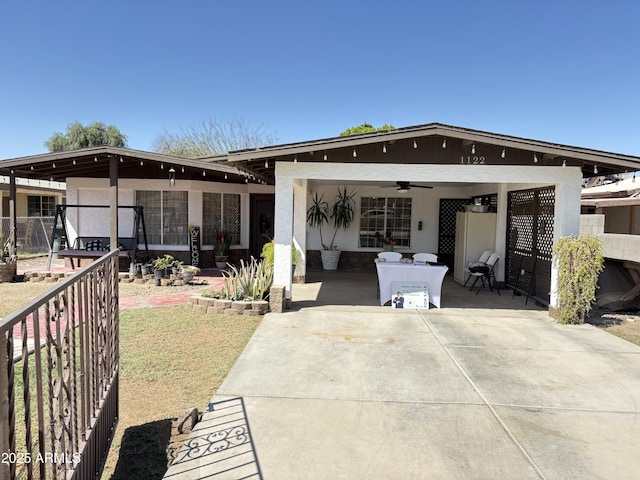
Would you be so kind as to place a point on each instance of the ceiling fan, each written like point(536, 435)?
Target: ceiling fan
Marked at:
point(404, 187)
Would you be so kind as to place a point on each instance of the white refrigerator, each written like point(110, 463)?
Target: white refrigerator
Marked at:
point(475, 233)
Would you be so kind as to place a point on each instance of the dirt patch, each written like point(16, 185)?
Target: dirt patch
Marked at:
point(625, 325)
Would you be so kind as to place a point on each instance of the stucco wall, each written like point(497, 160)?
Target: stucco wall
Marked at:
point(88, 191)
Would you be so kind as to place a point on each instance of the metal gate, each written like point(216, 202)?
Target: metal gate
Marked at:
point(530, 222)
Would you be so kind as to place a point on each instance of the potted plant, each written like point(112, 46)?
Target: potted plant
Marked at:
point(221, 248)
point(387, 240)
point(8, 262)
point(166, 264)
point(188, 272)
point(340, 214)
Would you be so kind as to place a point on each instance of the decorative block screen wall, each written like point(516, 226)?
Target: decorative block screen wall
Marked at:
point(530, 222)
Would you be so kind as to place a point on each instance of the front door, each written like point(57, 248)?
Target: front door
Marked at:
point(261, 229)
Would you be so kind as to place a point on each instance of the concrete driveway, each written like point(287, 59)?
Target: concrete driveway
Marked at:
point(362, 392)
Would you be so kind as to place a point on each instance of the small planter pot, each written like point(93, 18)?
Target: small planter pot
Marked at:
point(8, 270)
point(187, 275)
point(221, 261)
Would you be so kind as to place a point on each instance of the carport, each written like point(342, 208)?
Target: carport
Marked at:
point(536, 186)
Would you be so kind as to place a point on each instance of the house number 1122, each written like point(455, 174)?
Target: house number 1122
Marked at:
point(472, 160)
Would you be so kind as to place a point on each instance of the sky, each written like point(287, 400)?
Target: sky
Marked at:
point(561, 71)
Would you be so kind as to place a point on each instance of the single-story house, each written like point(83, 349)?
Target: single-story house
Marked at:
point(533, 187)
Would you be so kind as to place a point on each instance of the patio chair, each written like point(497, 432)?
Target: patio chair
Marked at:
point(390, 256)
point(485, 272)
point(425, 257)
point(482, 260)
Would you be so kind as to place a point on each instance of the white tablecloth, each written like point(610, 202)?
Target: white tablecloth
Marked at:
point(389, 272)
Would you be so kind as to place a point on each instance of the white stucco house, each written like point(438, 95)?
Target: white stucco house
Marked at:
point(534, 187)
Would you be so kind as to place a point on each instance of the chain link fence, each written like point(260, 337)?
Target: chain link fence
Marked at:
point(32, 234)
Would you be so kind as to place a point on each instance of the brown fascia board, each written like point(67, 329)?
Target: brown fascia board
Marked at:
point(610, 202)
point(438, 129)
point(6, 165)
point(87, 152)
point(611, 194)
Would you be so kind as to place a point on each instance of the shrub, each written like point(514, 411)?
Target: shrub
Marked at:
point(268, 253)
point(579, 261)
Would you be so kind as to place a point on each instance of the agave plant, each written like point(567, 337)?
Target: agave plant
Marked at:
point(252, 281)
point(5, 248)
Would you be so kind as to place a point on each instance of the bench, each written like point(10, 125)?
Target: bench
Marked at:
point(96, 247)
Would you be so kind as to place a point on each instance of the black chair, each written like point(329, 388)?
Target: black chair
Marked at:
point(485, 273)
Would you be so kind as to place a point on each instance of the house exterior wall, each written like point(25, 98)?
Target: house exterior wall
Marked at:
point(615, 246)
point(622, 219)
point(90, 191)
point(22, 200)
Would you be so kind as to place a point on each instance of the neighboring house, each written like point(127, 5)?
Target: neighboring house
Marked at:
point(533, 186)
point(35, 198)
point(618, 199)
point(611, 211)
point(35, 208)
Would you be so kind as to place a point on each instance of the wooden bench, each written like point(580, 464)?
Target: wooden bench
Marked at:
point(96, 247)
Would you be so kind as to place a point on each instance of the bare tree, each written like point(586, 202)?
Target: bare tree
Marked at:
point(213, 137)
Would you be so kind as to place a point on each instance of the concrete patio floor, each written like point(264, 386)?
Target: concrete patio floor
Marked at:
point(483, 388)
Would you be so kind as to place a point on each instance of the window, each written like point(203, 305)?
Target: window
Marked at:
point(41, 206)
point(165, 216)
point(220, 212)
point(380, 215)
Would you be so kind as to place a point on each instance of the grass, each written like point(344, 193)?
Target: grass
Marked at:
point(627, 331)
point(171, 359)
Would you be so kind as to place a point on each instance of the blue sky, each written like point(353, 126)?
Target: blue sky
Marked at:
point(561, 71)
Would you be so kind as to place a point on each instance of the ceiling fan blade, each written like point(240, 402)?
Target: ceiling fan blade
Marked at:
point(406, 186)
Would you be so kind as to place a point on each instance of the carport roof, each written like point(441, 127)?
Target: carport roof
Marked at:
point(434, 143)
point(94, 162)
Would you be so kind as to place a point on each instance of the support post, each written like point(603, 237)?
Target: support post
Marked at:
point(12, 213)
point(300, 229)
point(566, 212)
point(283, 234)
point(113, 195)
point(4, 404)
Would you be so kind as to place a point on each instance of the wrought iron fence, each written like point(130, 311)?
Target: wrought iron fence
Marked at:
point(59, 378)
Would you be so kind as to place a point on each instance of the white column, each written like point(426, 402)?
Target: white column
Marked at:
point(501, 230)
point(300, 226)
point(283, 232)
point(566, 222)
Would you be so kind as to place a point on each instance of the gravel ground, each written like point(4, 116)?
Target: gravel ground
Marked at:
point(127, 289)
